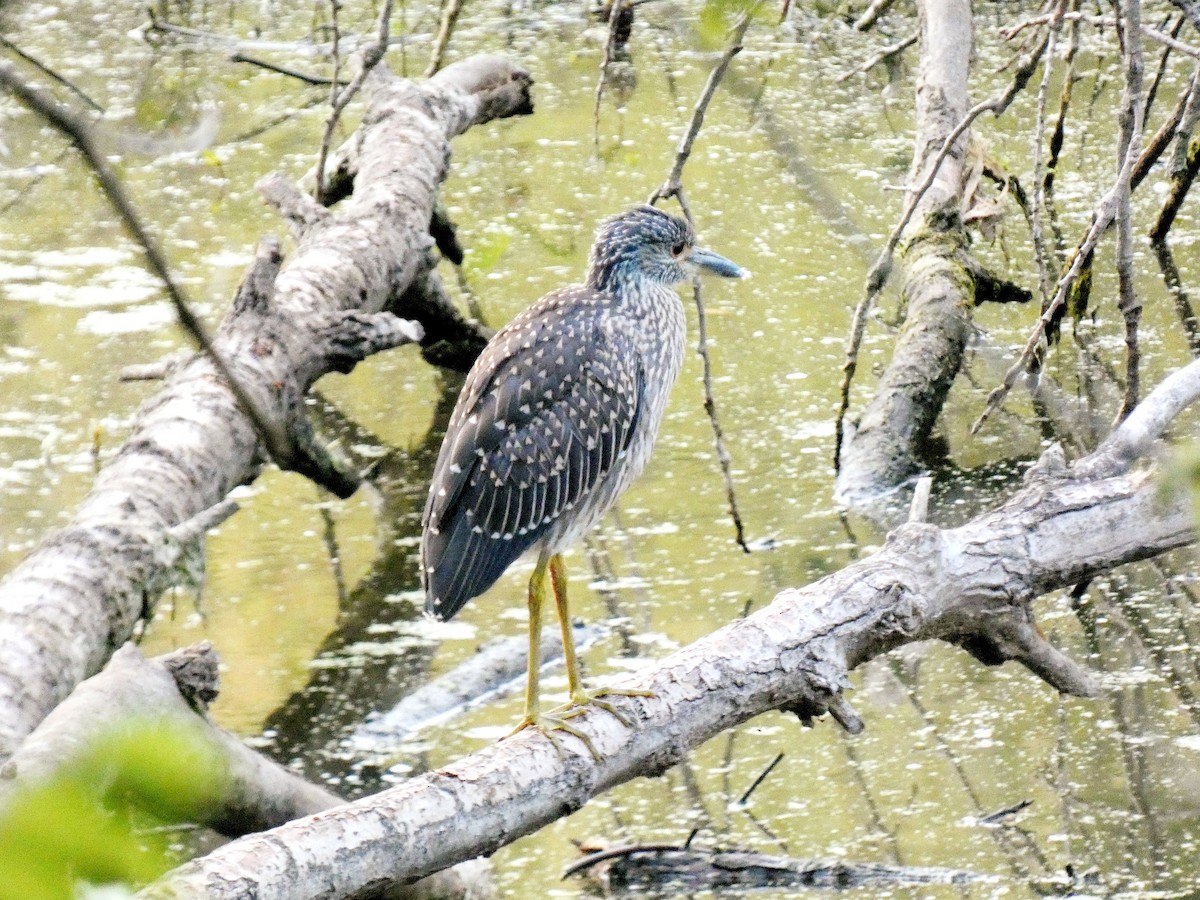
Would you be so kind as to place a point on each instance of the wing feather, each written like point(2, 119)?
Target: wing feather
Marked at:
point(525, 443)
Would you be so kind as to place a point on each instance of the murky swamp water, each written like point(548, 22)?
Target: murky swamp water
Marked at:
point(311, 602)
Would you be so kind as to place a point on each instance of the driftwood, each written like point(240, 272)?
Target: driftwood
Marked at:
point(971, 585)
point(174, 690)
point(324, 311)
point(666, 870)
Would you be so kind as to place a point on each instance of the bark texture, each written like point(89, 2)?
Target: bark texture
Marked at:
point(937, 285)
point(970, 585)
point(173, 689)
point(254, 794)
point(78, 596)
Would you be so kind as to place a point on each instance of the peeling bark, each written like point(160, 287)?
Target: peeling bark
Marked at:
point(938, 285)
point(94, 580)
point(971, 585)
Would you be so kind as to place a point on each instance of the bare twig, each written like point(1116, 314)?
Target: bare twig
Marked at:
point(1185, 126)
point(886, 53)
point(1183, 304)
point(1161, 139)
point(317, 80)
point(1163, 58)
point(51, 74)
point(1180, 184)
point(1106, 22)
point(1185, 160)
point(1039, 180)
point(1102, 217)
point(673, 187)
point(372, 54)
point(614, 16)
point(1064, 105)
point(80, 133)
point(878, 274)
point(760, 779)
point(871, 14)
point(449, 17)
point(1131, 135)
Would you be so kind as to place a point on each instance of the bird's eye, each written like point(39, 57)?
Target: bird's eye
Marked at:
point(678, 249)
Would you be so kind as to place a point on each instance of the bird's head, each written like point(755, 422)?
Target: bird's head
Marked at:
point(647, 244)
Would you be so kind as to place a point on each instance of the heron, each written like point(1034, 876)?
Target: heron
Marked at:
point(556, 418)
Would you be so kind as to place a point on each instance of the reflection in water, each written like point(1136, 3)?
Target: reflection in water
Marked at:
point(357, 671)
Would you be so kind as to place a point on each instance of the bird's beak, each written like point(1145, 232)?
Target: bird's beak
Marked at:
point(718, 265)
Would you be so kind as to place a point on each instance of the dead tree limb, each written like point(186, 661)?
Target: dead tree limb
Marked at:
point(1131, 121)
point(174, 690)
point(938, 289)
point(255, 793)
point(971, 586)
point(191, 444)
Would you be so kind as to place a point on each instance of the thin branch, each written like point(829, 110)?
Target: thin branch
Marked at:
point(51, 74)
point(372, 55)
point(316, 80)
point(610, 44)
point(1163, 59)
point(79, 132)
point(673, 187)
point(760, 779)
point(449, 18)
point(1106, 22)
point(1131, 118)
point(1103, 215)
point(871, 14)
point(1064, 105)
point(1183, 304)
point(886, 53)
point(1039, 180)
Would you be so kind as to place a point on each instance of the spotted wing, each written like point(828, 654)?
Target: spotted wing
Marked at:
point(546, 413)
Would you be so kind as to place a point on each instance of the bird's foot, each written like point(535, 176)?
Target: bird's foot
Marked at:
point(582, 699)
point(548, 723)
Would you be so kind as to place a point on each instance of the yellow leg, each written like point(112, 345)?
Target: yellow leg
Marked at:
point(534, 718)
point(558, 578)
point(537, 594)
point(580, 697)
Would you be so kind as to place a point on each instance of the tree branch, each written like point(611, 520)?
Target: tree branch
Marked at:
point(971, 585)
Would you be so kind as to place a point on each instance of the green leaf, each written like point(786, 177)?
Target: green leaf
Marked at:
point(92, 822)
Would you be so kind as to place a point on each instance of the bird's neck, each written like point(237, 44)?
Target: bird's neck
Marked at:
point(626, 283)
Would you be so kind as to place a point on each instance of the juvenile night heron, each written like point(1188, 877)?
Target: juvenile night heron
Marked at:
point(557, 417)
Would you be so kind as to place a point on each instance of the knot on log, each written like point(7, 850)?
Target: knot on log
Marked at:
point(1051, 466)
point(825, 700)
point(919, 540)
point(196, 670)
point(671, 755)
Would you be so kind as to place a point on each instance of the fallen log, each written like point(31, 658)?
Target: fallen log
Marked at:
point(323, 311)
point(172, 691)
point(971, 586)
